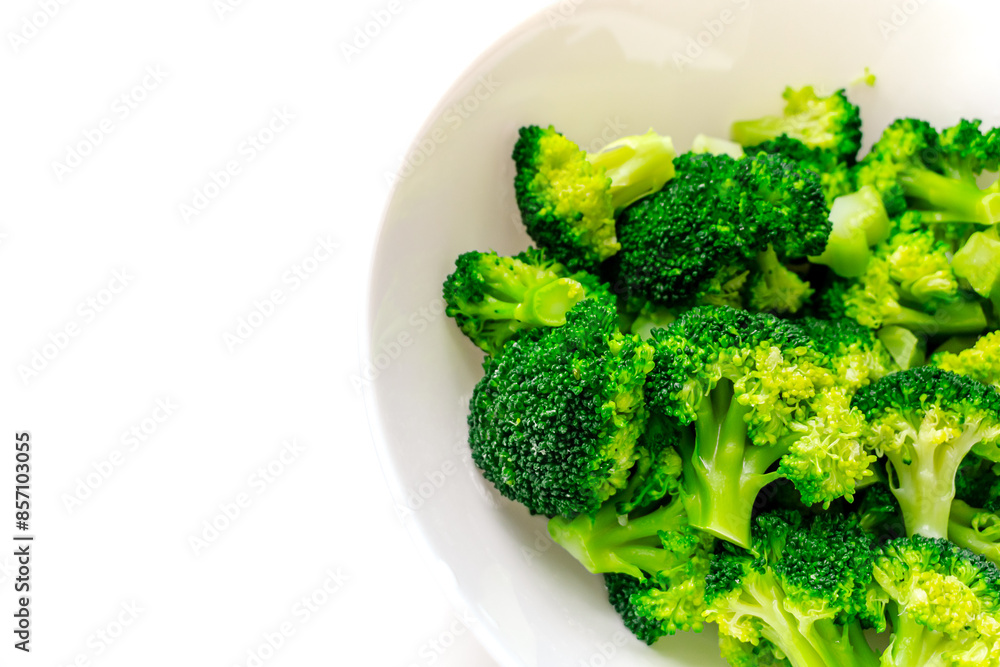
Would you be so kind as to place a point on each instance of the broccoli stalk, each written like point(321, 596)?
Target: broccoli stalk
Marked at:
point(977, 530)
point(859, 221)
point(605, 545)
point(925, 421)
point(977, 262)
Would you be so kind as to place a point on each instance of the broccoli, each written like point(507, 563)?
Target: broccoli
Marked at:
point(493, 297)
point(936, 172)
point(859, 221)
point(775, 288)
point(977, 263)
point(877, 300)
point(568, 198)
point(980, 362)
point(555, 419)
point(805, 586)
point(855, 354)
point(744, 654)
point(828, 123)
point(708, 224)
point(977, 530)
point(835, 173)
point(749, 392)
point(924, 421)
point(907, 349)
point(878, 511)
point(944, 604)
point(641, 537)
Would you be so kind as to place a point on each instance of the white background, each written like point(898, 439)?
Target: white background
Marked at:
point(131, 269)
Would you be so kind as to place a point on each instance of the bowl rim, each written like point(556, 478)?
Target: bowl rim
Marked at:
point(438, 570)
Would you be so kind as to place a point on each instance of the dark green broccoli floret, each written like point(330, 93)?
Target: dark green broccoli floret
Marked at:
point(936, 173)
point(924, 421)
point(805, 586)
point(944, 604)
point(835, 173)
point(568, 198)
point(708, 224)
point(829, 123)
point(493, 297)
point(555, 419)
point(753, 401)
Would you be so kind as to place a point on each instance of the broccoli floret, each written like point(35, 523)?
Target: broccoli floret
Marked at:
point(924, 421)
point(859, 221)
point(709, 223)
point(568, 198)
point(920, 265)
point(493, 297)
point(829, 123)
point(749, 392)
point(937, 173)
point(944, 604)
point(876, 300)
point(980, 362)
point(554, 421)
point(856, 355)
point(835, 173)
point(806, 587)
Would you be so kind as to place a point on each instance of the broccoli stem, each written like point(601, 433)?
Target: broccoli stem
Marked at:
point(637, 165)
point(606, 543)
point(541, 305)
point(913, 645)
point(818, 644)
point(922, 477)
point(975, 530)
point(949, 194)
point(723, 471)
point(960, 317)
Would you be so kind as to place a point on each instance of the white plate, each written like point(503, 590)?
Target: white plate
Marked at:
point(597, 70)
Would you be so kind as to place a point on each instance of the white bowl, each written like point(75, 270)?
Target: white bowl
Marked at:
point(597, 70)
